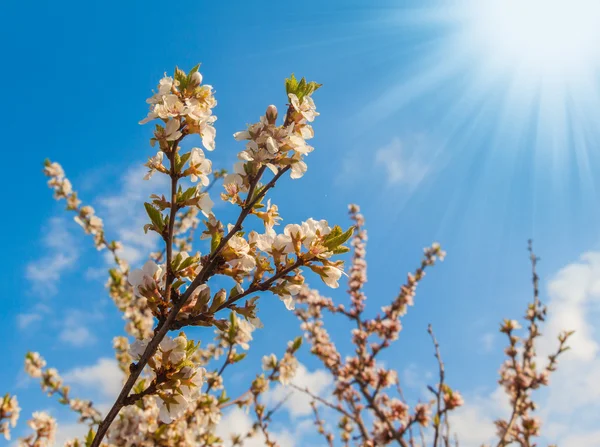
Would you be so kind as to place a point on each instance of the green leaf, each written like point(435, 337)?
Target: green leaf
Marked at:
point(193, 70)
point(339, 239)
point(238, 357)
point(223, 397)
point(300, 89)
point(291, 84)
point(155, 216)
point(89, 437)
point(177, 284)
point(187, 262)
point(182, 161)
point(187, 195)
point(312, 87)
point(301, 86)
point(297, 343)
point(335, 231)
point(175, 263)
point(214, 243)
point(340, 250)
point(181, 77)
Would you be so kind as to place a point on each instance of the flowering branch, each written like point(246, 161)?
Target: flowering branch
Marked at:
point(519, 376)
point(52, 383)
point(165, 301)
point(163, 401)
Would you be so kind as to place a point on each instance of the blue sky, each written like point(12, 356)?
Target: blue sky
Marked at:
point(433, 139)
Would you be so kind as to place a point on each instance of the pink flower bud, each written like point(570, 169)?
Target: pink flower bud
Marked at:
point(271, 114)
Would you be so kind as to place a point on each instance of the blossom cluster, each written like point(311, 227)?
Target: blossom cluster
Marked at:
point(9, 414)
point(44, 428)
point(176, 380)
point(521, 373)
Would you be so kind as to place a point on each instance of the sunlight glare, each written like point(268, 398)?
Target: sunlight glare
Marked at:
point(539, 37)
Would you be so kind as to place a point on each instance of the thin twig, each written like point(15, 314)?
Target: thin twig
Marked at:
point(439, 392)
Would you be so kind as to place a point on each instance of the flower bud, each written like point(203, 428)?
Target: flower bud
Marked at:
point(202, 299)
point(196, 78)
point(271, 114)
point(219, 299)
point(181, 342)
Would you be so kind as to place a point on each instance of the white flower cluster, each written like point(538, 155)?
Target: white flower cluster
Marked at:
point(285, 369)
point(147, 281)
point(177, 380)
point(9, 414)
point(44, 427)
point(275, 146)
point(184, 100)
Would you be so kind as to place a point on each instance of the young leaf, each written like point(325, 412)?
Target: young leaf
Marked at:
point(155, 216)
point(339, 239)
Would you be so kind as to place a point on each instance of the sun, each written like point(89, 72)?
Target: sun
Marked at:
point(538, 38)
point(532, 67)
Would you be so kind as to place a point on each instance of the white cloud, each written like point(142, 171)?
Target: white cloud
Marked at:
point(590, 439)
point(487, 341)
point(77, 336)
point(96, 273)
point(399, 162)
point(574, 302)
point(37, 314)
point(124, 213)
point(61, 253)
point(399, 166)
point(74, 327)
point(298, 404)
point(237, 422)
point(27, 319)
point(574, 394)
point(351, 169)
point(104, 376)
point(69, 431)
point(474, 422)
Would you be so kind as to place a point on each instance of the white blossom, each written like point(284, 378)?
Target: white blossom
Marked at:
point(145, 278)
point(200, 166)
point(307, 108)
point(171, 407)
point(172, 131)
point(331, 275)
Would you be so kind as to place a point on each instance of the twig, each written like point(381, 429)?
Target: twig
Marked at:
point(439, 392)
point(321, 425)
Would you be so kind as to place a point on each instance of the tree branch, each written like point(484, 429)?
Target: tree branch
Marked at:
point(165, 325)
